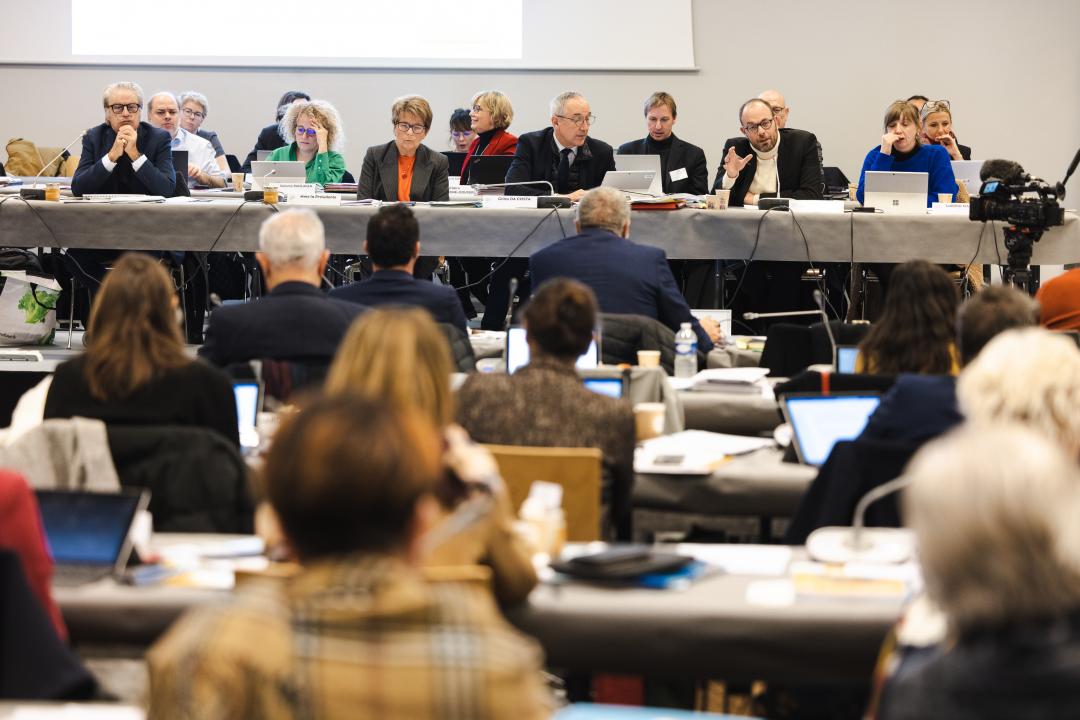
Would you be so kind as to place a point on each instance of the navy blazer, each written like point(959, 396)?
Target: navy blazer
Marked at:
point(534, 159)
point(155, 177)
point(798, 166)
point(681, 156)
point(395, 287)
point(294, 321)
point(626, 277)
point(917, 408)
point(379, 175)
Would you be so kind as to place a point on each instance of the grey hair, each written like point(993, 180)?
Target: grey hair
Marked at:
point(558, 103)
point(604, 207)
point(122, 85)
point(324, 112)
point(1028, 375)
point(195, 97)
point(162, 93)
point(994, 508)
point(293, 237)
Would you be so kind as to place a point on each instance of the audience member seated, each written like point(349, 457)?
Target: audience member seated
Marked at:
point(916, 331)
point(135, 370)
point(1059, 302)
point(270, 136)
point(357, 631)
point(194, 107)
point(627, 278)
point(393, 243)
point(461, 132)
point(405, 169)
point(994, 509)
point(545, 403)
point(163, 111)
point(937, 130)
point(296, 320)
point(490, 117)
point(1030, 376)
point(683, 168)
point(902, 151)
point(402, 358)
point(317, 139)
point(124, 155)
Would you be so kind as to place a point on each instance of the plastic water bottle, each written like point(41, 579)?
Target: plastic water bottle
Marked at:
point(685, 352)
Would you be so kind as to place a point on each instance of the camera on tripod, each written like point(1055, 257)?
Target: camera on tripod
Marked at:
point(1006, 203)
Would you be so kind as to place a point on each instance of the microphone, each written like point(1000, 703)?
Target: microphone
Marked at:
point(1006, 171)
point(819, 300)
point(858, 543)
point(34, 193)
point(257, 195)
point(791, 313)
point(513, 285)
point(1068, 174)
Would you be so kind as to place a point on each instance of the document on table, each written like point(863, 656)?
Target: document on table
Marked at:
point(114, 199)
point(738, 559)
point(692, 452)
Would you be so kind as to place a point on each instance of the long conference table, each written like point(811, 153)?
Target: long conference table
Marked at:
point(223, 223)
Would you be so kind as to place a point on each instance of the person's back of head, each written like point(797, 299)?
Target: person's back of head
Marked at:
point(988, 313)
point(994, 507)
point(1030, 376)
point(916, 330)
point(604, 208)
point(392, 235)
point(133, 333)
point(1059, 302)
point(294, 239)
point(346, 475)
point(400, 355)
point(560, 319)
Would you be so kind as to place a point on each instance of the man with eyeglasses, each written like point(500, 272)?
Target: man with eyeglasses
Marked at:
point(563, 154)
point(124, 156)
point(164, 112)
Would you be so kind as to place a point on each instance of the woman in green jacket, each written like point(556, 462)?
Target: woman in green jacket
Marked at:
point(314, 129)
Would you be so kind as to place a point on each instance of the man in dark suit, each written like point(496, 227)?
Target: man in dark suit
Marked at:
point(562, 154)
point(393, 243)
point(124, 155)
point(683, 168)
point(296, 320)
point(270, 136)
point(626, 277)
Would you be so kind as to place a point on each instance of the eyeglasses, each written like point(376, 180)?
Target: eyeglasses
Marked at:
point(407, 128)
point(936, 106)
point(130, 107)
point(580, 120)
point(459, 133)
point(763, 125)
point(301, 130)
point(188, 112)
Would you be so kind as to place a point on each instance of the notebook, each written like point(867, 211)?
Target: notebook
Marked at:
point(820, 421)
point(88, 532)
point(896, 192)
point(517, 352)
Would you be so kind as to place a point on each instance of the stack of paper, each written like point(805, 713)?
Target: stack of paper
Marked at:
point(747, 380)
point(692, 452)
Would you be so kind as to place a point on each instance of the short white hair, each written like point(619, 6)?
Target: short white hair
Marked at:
point(558, 103)
point(122, 85)
point(1029, 375)
point(195, 97)
point(293, 237)
point(994, 508)
point(604, 207)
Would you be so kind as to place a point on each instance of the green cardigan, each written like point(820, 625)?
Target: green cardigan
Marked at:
point(327, 167)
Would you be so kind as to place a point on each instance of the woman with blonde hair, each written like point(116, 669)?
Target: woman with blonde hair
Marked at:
point(489, 118)
point(401, 356)
point(937, 129)
point(314, 135)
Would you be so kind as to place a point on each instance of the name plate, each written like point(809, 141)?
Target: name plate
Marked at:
point(297, 188)
point(950, 209)
point(316, 199)
point(508, 201)
point(816, 206)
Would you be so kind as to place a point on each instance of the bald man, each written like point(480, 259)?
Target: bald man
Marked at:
point(778, 105)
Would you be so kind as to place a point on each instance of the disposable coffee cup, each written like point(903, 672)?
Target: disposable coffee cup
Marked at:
point(944, 198)
point(238, 182)
point(719, 200)
point(853, 192)
point(648, 358)
point(648, 420)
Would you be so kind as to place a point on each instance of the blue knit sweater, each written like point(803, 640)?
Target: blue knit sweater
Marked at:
point(932, 159)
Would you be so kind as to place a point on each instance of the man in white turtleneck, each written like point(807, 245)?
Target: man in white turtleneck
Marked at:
point(768, 161)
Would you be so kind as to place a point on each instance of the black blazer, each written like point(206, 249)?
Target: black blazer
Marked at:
point(393, 287)
point(379, 181)
point(155, 177)
point(681, 156)
point(535, 158)
point(269, 139)
point(294, 321)
point(798, 166)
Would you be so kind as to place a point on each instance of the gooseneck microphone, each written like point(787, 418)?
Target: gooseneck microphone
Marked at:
point(859, 543)
point(791, 313)
point(819, 300)
point(35, 193)
point(513, 286)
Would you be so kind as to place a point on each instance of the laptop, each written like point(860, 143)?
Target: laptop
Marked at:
point(844, 362)
point(968, 171)
point(277, 172)
point(896, 192)
point(454, 159)
point(635, 182)
point(820, 421)
point(248, 395)
point(517, 352)
point(88, 532)
point(643, 162)
point(610, 381)
point(180, 161)
point(261, 155)
point(489, 169)
point(836, 183)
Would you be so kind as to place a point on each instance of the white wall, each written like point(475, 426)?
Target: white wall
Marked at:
point(1011, 70)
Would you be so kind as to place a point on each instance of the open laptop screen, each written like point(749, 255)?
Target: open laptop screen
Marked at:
point(247, 397)
point(87, 528)
point(517, 352)
point(845, 358)
point(820, 421)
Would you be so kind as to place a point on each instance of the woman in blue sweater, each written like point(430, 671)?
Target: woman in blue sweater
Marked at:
point(901, 151)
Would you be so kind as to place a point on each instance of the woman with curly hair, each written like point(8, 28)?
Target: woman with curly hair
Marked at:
point(314, 128)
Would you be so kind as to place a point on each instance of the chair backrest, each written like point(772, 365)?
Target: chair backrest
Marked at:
point(577, 470)
point(621, 336)
point(791, 348)
point(460, 347)
point(234, 164)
